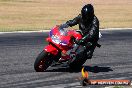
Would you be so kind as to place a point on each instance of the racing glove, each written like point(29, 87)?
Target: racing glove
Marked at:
point(80, 42)
point(63, 26)
point(84, 41)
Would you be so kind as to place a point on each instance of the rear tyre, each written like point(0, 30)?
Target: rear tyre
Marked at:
point(43, 61)
point(78, 62)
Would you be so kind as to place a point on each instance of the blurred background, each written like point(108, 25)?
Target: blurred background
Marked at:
point(19, 15)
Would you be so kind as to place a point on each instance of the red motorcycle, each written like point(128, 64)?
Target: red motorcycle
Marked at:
point(62, 47)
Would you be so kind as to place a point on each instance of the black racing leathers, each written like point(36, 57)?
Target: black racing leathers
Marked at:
point(90, 30)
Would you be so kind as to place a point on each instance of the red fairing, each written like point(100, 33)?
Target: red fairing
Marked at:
point(61, 39)
point(78, 36)
point(75, 34)
point(51, 49)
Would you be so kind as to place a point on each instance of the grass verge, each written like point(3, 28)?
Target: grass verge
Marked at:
point(19, 15)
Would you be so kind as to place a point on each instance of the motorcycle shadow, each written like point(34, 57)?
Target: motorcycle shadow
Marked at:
point(97, 69)
point(93, 69)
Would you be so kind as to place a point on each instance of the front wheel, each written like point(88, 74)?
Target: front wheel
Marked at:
point(43, 61)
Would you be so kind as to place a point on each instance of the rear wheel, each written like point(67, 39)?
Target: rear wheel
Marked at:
point(43, 61)
point(78, 62)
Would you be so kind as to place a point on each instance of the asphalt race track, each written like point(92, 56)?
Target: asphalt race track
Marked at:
point(18, 52)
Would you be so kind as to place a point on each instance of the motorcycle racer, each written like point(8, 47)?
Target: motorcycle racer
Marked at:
point(69, 46)
point(89, 26)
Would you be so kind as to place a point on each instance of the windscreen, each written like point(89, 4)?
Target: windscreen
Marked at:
point(59, 36)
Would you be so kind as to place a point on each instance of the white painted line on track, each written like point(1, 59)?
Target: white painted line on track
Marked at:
point(25, 31)
point(116, 29)
point(49, 30)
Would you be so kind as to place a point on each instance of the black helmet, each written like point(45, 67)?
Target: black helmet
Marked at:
point(87, 12)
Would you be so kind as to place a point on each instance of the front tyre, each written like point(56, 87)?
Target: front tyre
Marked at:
point(43, 61)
